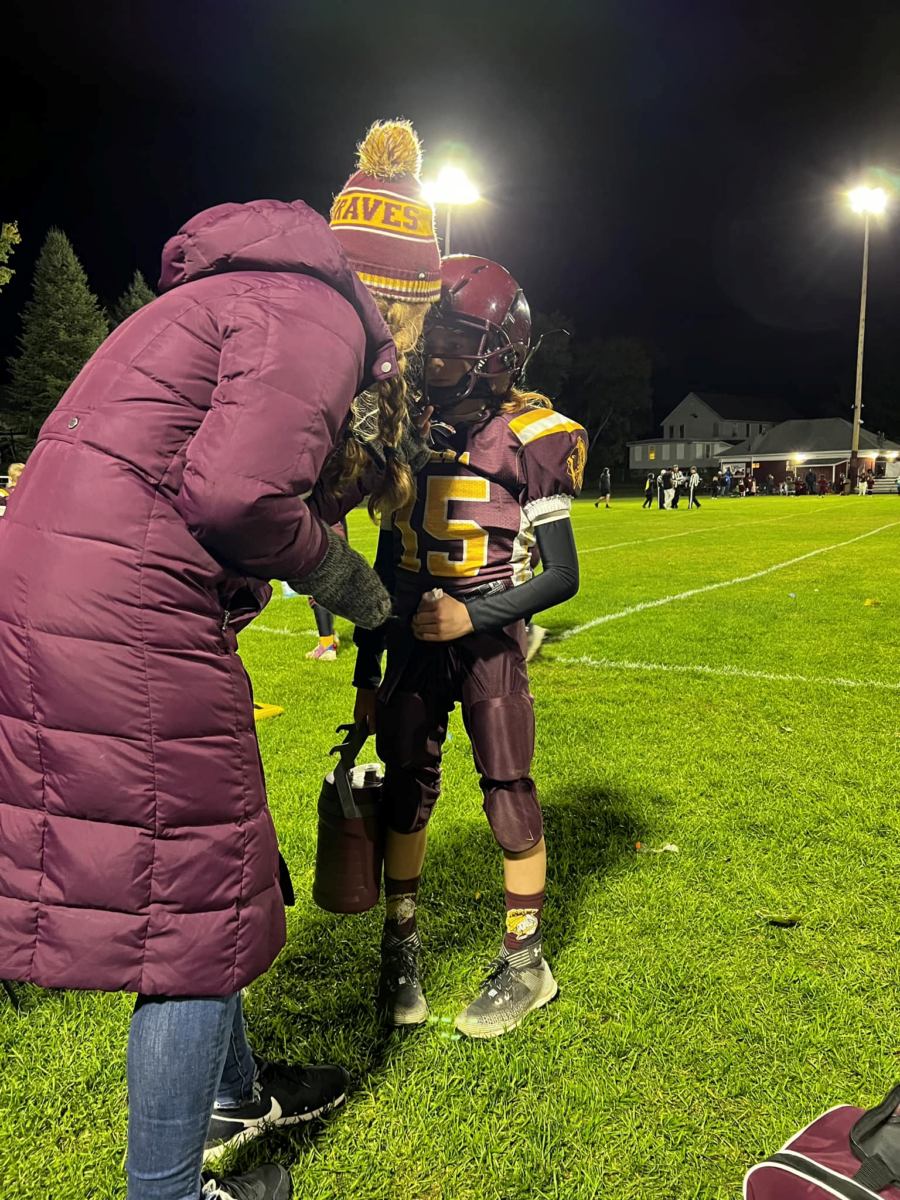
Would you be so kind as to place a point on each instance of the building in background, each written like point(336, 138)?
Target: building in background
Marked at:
point(703, 427)
point(794, 447)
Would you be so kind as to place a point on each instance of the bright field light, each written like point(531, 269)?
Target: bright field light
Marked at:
point(451, 187)
point(871, 200)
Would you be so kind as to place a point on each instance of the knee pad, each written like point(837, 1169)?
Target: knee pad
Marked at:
point(502, 734)
point(513, 813)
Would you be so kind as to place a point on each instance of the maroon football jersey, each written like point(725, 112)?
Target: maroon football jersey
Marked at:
point(481, 497)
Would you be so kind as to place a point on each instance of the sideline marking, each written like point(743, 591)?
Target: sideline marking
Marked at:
point(731, 672)
point(685, 533)
point(284, 631)
point(714, 587)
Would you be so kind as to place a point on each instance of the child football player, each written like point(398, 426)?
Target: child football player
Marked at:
point(458, 560)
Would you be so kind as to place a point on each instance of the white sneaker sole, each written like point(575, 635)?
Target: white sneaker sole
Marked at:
point(549, 992)
point(249, 1132)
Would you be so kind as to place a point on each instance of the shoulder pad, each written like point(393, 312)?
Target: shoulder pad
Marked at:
point(536, 423)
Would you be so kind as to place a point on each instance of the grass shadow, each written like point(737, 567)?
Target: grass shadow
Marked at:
point(317, 1002)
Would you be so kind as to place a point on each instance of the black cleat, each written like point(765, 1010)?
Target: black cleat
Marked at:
point(400, 995)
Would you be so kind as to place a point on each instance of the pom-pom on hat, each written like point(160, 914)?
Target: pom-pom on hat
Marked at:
point(382, 220)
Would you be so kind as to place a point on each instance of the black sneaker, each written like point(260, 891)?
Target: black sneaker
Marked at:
point(400, 995)
point(265, 1183)
point(282, 1096)
point(517, 983)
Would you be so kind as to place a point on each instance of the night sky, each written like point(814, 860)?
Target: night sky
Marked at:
point(667, 169)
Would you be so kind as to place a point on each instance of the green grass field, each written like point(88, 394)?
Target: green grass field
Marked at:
point(755, 724)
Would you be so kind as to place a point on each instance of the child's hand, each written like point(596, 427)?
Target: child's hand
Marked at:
point(423, 421)
point(364, 709)
point(441, 620)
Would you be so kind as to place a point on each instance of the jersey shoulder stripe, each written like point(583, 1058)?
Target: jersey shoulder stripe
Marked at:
point(539, 422)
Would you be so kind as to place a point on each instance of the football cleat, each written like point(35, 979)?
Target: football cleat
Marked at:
point(517, 983)
point(400, 996)
point(324, 653)
point(535, 635)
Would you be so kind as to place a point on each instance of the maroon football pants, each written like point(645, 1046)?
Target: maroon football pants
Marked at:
point(486, 674)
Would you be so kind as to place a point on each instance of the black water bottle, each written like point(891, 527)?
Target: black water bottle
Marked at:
point(350, 843)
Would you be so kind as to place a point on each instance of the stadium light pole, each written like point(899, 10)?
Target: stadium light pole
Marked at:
point(451, 187)
point(866, 201)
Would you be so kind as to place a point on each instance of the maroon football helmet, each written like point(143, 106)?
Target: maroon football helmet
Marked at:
point(481, 296)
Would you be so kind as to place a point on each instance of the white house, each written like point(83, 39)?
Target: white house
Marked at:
point(704, 426)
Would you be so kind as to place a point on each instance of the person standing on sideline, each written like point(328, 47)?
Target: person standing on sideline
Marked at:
point(727, 489)
point(694, 482)
point(677, 484)
point(811, 483)
point(861, 484)
point(660, 492)
point(668, 482)
point(164, 492)
point(648, 490)
point(716, 482)
point(823, 486)
point(605, 487)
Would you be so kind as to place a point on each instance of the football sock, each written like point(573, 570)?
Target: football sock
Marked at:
point(523, 920)
point(400, 907)
point(326, 642)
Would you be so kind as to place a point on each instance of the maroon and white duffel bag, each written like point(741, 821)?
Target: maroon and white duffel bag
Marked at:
point(847, 1153)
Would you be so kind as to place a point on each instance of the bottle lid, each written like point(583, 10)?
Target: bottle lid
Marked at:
point(366, 774)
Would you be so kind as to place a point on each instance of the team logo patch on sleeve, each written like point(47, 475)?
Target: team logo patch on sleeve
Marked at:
point(576, 463)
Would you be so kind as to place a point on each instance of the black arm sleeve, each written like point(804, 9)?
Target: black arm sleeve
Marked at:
point(557, 582)
point(370, 642)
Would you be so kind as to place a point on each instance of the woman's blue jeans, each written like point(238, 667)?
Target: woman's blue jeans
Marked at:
point(185, 1054)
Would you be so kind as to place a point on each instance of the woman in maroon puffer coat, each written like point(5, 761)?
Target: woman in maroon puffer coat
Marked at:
point(136, 847)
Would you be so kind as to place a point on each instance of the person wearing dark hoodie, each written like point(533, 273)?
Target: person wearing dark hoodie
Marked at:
point(165, 491)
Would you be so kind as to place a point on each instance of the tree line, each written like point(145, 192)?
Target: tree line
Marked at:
point(63, 323)
point(605, 383)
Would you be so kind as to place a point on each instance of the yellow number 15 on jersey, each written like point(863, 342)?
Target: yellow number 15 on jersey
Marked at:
point(436, 522)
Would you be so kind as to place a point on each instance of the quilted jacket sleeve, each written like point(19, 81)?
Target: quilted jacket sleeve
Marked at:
point(285, 385)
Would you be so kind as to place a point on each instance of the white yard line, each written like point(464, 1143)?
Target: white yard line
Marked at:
point(714, 587)
point(686, 533)
point(728, 672)
point(255, 626)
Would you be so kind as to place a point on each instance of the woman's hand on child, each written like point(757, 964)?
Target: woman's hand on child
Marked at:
point(441, 620)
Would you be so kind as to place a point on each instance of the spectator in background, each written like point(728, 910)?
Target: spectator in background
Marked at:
point(13, 475)
point(727, 489)
point(648, 490)
point(660, 494)
point(605, 487)
point(811, 482)
point(823, 486)
point(861, 484)
point(898, 485)
point(870, 483)
point(754, 486)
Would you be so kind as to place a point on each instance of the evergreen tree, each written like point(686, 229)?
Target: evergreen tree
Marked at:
point(62, 326)
point(136, 295)
point(9, 239)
